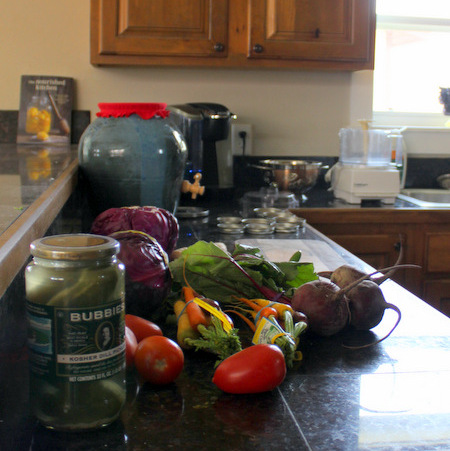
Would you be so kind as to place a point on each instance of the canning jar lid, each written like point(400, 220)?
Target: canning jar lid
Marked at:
point(75, 247)
point(144, 110)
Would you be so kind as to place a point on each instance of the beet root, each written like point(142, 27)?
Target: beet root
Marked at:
point(324, 305)
point(367, 305)
point(345, 275)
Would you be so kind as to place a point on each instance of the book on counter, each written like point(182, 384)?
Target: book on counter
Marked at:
point(45, 110)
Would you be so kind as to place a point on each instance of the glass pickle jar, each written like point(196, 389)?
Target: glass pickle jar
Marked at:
point(75, 293)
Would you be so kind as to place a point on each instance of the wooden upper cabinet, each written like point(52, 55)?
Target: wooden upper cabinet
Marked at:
point(314, 30)
point(317, 34)
point(155, 28)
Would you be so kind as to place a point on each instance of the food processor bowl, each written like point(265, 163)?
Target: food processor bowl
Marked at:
point(364, 147)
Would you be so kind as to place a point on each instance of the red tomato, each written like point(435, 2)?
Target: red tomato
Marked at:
point(142, 327)
point(159, 360)
point(131, 346)
point(255, 369)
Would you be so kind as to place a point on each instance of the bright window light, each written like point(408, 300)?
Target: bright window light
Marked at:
point(412, 59)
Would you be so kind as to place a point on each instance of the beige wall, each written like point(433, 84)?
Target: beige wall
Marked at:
point(294, 113)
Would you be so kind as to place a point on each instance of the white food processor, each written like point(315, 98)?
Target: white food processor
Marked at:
point(366, 169)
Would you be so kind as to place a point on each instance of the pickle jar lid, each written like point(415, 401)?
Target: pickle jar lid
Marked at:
point(79, 246)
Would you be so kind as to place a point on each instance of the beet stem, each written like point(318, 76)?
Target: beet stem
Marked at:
point(347, 288)
point(265, 291)
point(325, 274)
point(380, 280)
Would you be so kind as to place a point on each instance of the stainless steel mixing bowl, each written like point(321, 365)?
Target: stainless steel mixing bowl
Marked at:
point(298, 176)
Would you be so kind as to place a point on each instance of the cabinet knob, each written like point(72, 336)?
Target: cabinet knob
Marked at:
point(317, 33)
point(219, 47)
point(258, 48)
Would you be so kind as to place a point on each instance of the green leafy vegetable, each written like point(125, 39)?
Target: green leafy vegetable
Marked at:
point(216, 340)
point(245, 272)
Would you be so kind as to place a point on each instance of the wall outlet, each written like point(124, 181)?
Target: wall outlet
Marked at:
point(241, 139)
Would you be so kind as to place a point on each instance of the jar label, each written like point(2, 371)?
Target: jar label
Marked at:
point(76, 344)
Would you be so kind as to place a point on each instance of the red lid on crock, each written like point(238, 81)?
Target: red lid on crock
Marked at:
point(144, 110)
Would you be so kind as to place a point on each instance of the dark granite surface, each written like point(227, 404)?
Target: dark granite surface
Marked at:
point(393, 396)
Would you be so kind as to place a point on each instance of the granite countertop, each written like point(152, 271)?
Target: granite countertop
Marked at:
point(35, 183)
point(394, 395)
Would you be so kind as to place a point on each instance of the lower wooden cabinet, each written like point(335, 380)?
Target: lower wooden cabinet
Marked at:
point(379, 251)
point(376, 236)
point(437, 294)
point(436, 288)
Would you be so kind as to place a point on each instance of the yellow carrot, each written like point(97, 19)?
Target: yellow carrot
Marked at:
point(184, 329)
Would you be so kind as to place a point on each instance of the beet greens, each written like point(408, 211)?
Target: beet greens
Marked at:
point(245, 272)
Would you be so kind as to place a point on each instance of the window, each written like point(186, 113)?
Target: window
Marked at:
point(412, 61)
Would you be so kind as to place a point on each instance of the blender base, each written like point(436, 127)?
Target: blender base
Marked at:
point(356, 183)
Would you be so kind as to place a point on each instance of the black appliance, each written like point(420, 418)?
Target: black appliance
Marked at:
point(203, 124)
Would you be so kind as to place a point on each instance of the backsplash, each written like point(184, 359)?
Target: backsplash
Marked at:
point(422, 172)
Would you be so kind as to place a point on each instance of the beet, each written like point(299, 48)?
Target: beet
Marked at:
point(324, 304)
point(366, 300)
point(346, 274)
point(367, 305)
point(330, 308)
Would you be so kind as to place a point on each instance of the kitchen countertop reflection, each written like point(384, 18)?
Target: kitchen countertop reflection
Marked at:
point(35, 183)
point(26, 172)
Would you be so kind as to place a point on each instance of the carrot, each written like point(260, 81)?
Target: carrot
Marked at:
point(194, 312)
point(280, 307)
point(244, 318)
point(262, 307)
point(184, 329)
point(265, 312)
point(255, 307)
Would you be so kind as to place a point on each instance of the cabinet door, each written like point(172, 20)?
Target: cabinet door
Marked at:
point(321, 30)
point(437, 252)
point(437, 294)
point(378, 251)
point(159, 28)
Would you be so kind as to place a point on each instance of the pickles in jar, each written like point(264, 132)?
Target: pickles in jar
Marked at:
point(76, 309)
